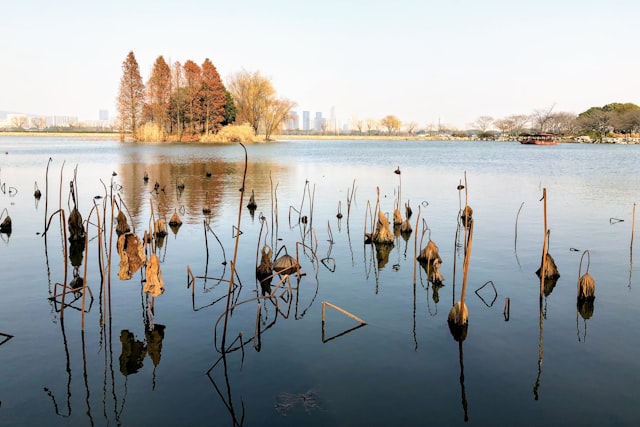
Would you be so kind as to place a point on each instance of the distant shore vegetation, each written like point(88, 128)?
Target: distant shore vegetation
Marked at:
point(189, 102)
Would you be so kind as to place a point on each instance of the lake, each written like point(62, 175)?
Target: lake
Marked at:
point(526, 360)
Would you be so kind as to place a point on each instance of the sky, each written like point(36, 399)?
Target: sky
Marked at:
point(424, 61)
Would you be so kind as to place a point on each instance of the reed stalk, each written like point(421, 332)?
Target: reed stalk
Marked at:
point(235, 251)
point(543, 267)
point(633, 226)
point(415, 248)
point(343, 311)
point(465, 270)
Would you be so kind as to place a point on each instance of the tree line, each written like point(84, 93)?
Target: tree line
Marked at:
point(596, 122)
point(190, 102)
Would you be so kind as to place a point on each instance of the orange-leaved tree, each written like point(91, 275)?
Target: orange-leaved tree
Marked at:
point(130, 97)
point(213, 96)
point(159, 94)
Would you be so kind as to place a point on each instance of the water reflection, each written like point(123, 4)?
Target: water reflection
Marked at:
point(260, 311)
point(203, 184)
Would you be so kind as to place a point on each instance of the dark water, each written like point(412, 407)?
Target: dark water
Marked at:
point(142, 365)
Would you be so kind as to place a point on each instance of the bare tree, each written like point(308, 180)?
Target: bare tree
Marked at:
point(371, 125)
point(278, 111)
point(562, 123)
point(411, 127)
point(19, 121)
point(40, 123)
point(357, 123)
point(483, 123)
point(519, 123)
point(542, 118)
point(505, 126)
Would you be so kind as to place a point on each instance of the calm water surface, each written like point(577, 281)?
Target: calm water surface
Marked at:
point(139, 364)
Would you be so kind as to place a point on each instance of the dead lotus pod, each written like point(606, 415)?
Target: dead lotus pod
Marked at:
point(76, 230)
point(397, 217)
point(5, 227)
point(122, 227)
point(265, 267)
point(429, 253)
point(551, 271)
point(383, 233)
point(175, 220)
point(586, 287)
point(286, 264)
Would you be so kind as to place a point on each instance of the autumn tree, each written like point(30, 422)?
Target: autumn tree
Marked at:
point(176, 103)
point(159, 93)
point(131, 96)
point(391, 122)
point(252, 94)
point(256, 102)
point(213, 97)
point(276, 114)
point(193, 88)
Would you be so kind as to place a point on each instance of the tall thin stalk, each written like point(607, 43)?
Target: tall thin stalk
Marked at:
point(235, 251)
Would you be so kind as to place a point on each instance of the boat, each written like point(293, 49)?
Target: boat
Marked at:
point(539, 139)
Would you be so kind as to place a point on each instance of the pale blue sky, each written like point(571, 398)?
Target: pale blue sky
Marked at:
point(452, 60)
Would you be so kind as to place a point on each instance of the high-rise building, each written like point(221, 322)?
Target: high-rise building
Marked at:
point(103, 115)
point(306, 120)
point(333, 123)
point(317, 122)
point(293, 123)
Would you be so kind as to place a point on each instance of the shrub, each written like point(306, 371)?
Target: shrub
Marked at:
point(150, 132)
point(231, 133)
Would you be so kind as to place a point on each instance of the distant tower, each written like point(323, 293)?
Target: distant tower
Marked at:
point(333, 124)
point(306, 120)
point(317, 122)
point(104, 115)
point(294, 121)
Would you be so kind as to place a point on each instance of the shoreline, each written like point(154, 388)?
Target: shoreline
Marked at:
point(281, 138)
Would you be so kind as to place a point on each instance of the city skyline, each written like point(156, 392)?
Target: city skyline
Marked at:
point(423, 61)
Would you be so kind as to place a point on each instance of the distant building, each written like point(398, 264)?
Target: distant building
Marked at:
point(62, 121)
point(293, 123)
point(306, 120)
point(333, 122)
point(318, 122)
point(103, 115)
